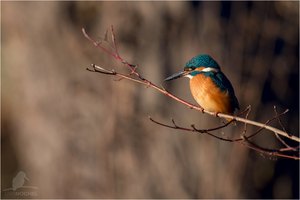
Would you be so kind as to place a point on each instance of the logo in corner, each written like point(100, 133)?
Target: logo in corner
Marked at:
point(20, 187)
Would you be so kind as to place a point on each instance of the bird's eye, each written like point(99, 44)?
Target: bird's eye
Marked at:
point(187, 69)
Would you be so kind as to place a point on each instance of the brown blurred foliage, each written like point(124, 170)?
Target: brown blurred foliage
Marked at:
point(82, 135)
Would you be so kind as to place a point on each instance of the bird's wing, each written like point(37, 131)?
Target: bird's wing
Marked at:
point(224, 84)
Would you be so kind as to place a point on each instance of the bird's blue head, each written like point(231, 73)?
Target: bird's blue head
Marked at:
point(198, 64)
point(202, 60)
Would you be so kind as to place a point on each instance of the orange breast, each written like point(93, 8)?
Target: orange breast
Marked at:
point(209, 96)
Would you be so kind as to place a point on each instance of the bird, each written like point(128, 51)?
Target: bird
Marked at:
point(19, 180)
point(209, 86)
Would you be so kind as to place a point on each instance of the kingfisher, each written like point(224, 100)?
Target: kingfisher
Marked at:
point(208, 84)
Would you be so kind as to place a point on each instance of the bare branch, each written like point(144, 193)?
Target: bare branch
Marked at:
point(194, 129)
point(243, 140)
point(258, 124)
point(135, 76)
point(270, 152)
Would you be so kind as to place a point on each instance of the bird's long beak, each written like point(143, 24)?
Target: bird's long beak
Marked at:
point(175, 76)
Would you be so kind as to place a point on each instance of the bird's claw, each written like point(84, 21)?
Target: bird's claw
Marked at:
point(216, 114)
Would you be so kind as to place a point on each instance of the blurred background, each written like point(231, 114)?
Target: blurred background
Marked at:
point(77, 134)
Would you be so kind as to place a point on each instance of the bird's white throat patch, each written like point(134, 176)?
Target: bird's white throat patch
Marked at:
point(189, 76)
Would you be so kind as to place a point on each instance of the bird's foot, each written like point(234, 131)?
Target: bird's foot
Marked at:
point(216, 114)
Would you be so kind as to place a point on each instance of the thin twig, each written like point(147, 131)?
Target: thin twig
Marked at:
point(246, 110)
point(97, 44)
point(280, 123)
point(247, 115)
point(114, 41)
